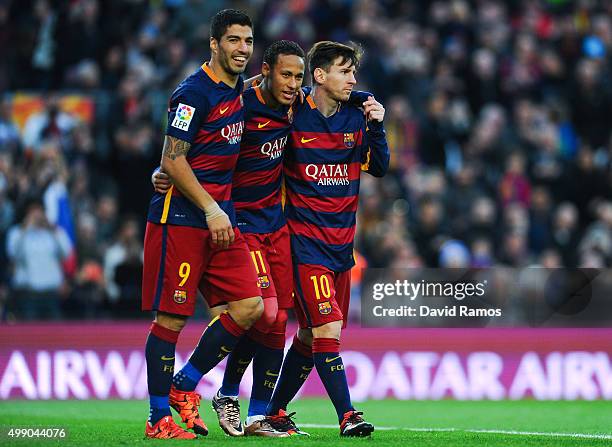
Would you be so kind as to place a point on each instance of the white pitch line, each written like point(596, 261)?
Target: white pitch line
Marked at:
point(475, 430)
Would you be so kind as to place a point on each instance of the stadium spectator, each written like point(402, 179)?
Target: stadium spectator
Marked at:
point(36, 250)
point(10, 140)
point(123, 270)
point(51, 124)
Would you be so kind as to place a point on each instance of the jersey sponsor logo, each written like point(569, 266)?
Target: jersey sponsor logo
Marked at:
point(307, 140)
point(184, 115)
point(163, 357)
point(271, 373)
point(274, 149)
point(325, 308)
point(329, 174)
point(222, 111)
point(263, 281)
point(262, 125)
point(180, 296)
point(349, 140)
point(233, 132)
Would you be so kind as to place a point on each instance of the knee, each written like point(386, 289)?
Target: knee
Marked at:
point(246, 312)
point(281, 319)
point(329, 330)
point(305, 336)
point(270, 313)
point(175, 323)
point(273, 323)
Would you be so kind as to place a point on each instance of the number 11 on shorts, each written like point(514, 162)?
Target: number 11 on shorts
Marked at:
point(260, 266)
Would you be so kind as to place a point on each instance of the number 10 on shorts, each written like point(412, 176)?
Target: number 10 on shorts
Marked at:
point(321, 286)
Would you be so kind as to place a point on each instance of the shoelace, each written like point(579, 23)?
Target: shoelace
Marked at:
point(355, 417)
point(282, 423)
point(231, 410)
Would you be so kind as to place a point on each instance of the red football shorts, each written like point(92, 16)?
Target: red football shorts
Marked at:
point(178, 260)
point(322, 295)
point(271, 256)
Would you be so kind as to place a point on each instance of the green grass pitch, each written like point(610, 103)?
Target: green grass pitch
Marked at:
point(399, 423)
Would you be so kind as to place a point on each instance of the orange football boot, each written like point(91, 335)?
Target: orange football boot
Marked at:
point(166, 428)
point(186, 403)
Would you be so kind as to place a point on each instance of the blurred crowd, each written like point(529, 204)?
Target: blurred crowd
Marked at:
point(499, 118)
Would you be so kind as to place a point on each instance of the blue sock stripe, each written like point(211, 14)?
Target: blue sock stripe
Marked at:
point(159, 401)
point(214, 345)
point(230, 389)
point(257, 407)
point(192, 372)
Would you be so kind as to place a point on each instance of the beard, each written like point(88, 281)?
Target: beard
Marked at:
point(227, 64)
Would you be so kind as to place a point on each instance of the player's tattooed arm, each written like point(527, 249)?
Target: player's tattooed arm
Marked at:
point(174, 148)
point(175, 164)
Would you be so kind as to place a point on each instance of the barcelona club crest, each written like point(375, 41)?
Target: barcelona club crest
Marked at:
point(180, 296)
point(264, 281)
point(325, 308)
point(349, 140)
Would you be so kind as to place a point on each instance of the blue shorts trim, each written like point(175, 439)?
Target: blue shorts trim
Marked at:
point(162, 265)
point(300, 293)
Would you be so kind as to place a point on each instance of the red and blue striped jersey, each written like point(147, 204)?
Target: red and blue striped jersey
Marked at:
point(209, 114)
point(257, 180)
point(322, 171)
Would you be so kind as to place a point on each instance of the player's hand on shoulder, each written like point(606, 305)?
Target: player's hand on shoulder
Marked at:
point(373, 110)
point(161, 181)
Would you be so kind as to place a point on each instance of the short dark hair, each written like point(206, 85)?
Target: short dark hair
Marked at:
point(286, 47)
point(324, 53)
point(225, 18)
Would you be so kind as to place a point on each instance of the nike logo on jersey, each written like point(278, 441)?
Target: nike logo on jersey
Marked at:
point(261, 126)
point(328, 360)
point(222, 111)
point(271, 374)
point(307, 140)
point(163, 357)
point(224, 349)
point(307, 368)
point(243, 362)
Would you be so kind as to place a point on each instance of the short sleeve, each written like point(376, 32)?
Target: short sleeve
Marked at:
point(187, 111)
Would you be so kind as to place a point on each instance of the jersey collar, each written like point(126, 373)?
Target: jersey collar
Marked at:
point(211, 74)
point(313, 106)
point(257, 88)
